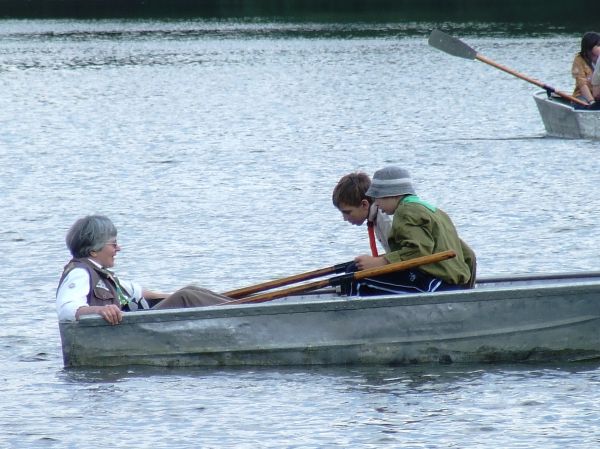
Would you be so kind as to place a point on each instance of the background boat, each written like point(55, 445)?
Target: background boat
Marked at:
point(561, 119)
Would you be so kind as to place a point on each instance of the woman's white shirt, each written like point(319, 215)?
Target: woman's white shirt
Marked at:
point(73, 291)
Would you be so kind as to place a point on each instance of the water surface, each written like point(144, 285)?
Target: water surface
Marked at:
point(214, 146)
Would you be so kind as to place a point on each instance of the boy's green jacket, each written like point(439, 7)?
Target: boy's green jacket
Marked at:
point(419, 229)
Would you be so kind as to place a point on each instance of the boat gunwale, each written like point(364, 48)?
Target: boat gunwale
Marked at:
point(575, 275)
point(291, 305)
point(558, 102)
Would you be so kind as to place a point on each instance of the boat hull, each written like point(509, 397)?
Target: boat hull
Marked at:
point(490, 324)
point(562, 120)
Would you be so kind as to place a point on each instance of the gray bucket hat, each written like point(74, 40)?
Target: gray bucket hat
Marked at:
point(390, 181)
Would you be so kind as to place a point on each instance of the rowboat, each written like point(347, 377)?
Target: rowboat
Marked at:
point(562, 120)
point(543, 318)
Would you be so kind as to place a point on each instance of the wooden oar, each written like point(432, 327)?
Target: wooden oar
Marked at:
point(337, 280)
point(246, 291)
point(456, 47)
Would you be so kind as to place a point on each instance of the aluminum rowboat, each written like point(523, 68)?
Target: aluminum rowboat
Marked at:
point(562, 120)
point(524, 318)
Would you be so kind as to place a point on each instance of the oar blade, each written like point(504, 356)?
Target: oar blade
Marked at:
point(451, 45)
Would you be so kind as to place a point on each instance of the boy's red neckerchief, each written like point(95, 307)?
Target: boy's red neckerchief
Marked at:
point(372, 242)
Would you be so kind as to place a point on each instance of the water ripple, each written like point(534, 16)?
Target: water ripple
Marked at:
point(214, 147)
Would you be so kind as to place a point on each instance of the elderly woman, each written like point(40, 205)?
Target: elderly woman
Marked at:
point(88, 287)
point(583, 67)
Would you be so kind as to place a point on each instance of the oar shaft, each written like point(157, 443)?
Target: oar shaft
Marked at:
point(488, 61)
point(250, 290)
point(456, 47)
point(404, 265)
point(357, 275)
point(268, 296)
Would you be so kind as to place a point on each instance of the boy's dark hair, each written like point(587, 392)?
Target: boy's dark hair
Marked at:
point(351, 189)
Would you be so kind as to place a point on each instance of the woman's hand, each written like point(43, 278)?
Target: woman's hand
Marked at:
point(111, 313)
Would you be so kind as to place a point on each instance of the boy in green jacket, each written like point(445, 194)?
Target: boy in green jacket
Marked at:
point(350, 198)
point(418, 229)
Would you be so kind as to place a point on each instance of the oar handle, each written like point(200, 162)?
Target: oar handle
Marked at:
point(402, 265)
point(357, 275)
point(250, 290)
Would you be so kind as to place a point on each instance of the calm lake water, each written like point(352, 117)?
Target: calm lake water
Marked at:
point(214, 147)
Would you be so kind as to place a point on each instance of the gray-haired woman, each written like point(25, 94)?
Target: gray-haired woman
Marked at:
point(88, 287)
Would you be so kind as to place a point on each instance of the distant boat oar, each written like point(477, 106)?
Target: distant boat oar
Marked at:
point(456, 47)
point(338, 280)
point(246, 291)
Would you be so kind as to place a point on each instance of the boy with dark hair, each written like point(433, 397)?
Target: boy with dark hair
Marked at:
point(350, 198)
point(418, 229)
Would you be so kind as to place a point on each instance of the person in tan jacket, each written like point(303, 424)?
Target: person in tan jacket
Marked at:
point(583, 67)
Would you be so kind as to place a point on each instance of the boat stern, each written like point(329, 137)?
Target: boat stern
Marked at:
point(559, 118)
